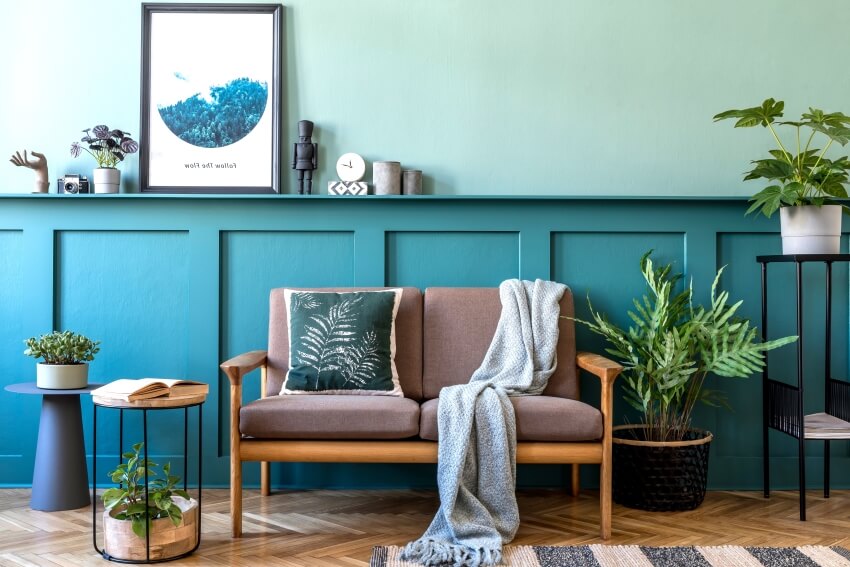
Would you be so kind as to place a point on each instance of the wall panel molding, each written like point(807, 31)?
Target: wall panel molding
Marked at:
point(215, 260)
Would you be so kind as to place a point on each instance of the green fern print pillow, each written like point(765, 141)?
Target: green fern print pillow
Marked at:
point(342, 343)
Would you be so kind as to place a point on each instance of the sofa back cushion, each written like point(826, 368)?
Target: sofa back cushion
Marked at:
point(459, 324)
point(408, 339)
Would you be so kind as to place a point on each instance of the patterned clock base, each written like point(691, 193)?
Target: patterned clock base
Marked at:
point(348, 188)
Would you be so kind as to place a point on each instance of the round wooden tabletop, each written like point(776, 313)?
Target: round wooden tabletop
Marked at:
point(152, 403)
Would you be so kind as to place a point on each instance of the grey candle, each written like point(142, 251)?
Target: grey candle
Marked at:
point(386, 176)
point(411, 182)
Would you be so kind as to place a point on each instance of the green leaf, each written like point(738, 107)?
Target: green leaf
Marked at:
point(164, 503)
point(182, 493)
point(139, 527)
point(175, 514)
point(767, 201)
point(762, 115)
point(112, 496)
point(771, 169)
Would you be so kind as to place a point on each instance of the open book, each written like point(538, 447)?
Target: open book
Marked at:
point(130, 390)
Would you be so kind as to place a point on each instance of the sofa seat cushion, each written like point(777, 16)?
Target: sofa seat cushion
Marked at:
point(538, 418)
point(330, 417)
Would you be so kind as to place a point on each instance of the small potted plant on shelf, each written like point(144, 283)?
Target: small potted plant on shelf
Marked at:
point(66, 356)
point(108, 147)
point(662, 463)
point(170, 517)
point(804, 181)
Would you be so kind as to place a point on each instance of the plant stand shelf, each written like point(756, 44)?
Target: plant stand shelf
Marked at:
point(825, 426)
point(145, 406)
point(782, 403)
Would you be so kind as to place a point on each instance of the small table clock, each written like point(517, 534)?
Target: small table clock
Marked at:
point(351, 168)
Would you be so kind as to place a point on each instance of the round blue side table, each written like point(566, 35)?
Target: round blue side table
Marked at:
point(59, 480)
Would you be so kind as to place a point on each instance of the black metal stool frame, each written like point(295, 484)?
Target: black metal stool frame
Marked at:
point(145, 411)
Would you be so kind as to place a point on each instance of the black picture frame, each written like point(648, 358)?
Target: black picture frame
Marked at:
point(193, 152)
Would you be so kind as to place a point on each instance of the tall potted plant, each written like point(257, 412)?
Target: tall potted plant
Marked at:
point(66, 356)
point(804, 181)
point(108, 147)
point(662, 463)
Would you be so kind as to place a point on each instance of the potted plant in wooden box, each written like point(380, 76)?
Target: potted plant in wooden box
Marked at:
point(170, 516)
point(66, 356)
point(662, 463)
point(805, 182)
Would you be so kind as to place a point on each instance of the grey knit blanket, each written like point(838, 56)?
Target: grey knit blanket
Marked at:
point(476, 471)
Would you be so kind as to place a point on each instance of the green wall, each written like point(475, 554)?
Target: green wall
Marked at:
point(174, 285)
point(546, 97)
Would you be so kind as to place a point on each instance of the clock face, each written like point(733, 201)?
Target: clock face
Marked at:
point(350, 167)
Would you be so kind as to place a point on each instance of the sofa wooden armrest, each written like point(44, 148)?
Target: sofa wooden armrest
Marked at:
point(240, 365)
point(607, 371)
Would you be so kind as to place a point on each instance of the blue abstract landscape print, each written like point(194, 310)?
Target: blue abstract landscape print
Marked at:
point(223, 116)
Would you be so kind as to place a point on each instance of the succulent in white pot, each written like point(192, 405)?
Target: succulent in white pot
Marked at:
point(805, 181)
point(66, 355)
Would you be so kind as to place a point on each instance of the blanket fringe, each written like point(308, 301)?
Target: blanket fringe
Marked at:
point(437, 553)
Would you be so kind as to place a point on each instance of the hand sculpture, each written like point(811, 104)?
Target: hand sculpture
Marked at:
point(37, 164)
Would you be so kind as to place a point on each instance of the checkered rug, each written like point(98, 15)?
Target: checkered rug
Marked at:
point(641, 556)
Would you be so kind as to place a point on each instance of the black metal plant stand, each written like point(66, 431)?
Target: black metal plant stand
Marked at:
point(783, 403)
point(145, 410)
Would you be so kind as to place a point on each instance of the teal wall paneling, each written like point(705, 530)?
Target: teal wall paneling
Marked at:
point(130, 290)
point(464, 259)
point(173, 285)
point(15, 454)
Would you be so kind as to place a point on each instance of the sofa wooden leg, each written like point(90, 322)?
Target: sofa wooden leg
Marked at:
point(575, 481)
point(605, 500)
point(236, 497)
point(265, 478)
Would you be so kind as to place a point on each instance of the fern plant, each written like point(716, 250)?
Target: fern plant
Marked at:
point(672, 347)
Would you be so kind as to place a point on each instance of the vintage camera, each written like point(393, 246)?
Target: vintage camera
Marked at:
point(73, 184)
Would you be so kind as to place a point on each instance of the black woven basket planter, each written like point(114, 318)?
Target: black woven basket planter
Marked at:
point(656, 476)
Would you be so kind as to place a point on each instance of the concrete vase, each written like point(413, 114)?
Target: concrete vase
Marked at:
point(62, 376)
point(106, 180)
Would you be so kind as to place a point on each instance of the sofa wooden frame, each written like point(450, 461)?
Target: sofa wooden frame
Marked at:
point(407, 451)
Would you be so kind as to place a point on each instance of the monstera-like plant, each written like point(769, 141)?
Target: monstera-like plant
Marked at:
point(804, 181)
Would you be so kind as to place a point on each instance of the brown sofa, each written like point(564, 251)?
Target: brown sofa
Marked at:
point(441, 337)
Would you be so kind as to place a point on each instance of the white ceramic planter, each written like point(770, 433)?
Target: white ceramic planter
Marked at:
point(106, 180)
point(811, 230)
point(62, 376)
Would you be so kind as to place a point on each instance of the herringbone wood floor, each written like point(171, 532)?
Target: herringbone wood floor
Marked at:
point(324, 528)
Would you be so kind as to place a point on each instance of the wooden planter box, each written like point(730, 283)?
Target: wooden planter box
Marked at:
point(167, 540)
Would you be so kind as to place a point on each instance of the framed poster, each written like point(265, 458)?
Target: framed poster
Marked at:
point(210, 98)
